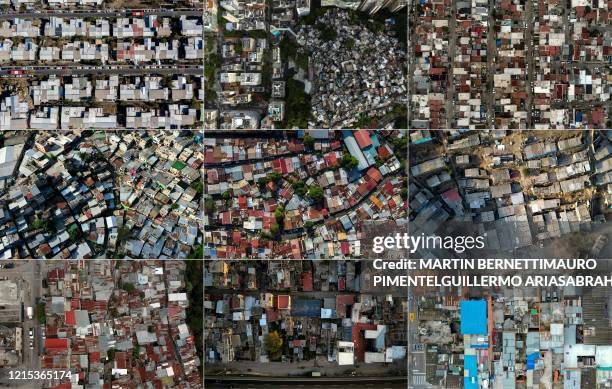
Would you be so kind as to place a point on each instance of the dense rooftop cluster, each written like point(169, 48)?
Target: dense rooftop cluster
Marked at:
point(304, 197)
point(120, 324)
point(358, 71)
point(515, 189)
point(509, 65)
point(121, 70)
point(323, 311)
point(512, 337)
point(80, 194)
point(268, 65)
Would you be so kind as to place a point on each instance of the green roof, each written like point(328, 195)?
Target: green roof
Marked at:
point(178, 165)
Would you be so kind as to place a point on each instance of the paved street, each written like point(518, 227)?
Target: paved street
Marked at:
point(305, 382)
point(100, 13)
point(27, 275)
point(105, 70)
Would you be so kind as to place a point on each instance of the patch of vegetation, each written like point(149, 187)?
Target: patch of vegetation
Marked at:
point(297, 105)
point(194, 272)
point(128, 287)
point(40, 313)
point(299, 187)
point(273, 345)
point(197, 252)
point(279, 215)
point(316, 193)
point(211, 65)
point(326, 32)
point(123, 234)
point(209, 205)
point(308, 141)
point(198, 185)
point(349, 162)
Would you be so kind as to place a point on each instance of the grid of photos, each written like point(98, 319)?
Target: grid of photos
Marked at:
point(291, 295)
point(101, 267)
point(407, 64)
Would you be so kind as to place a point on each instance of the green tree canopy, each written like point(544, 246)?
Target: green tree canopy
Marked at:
point(349, 162)
point(128, 287)
point(309, 141)
point(274, 345)
point(279, 214)
point(209, 205)
point(316, 193)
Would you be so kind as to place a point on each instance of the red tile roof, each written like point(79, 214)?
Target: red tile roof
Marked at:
point(307, 282)
point(363, 138)
point(69, 318)
point(374, 174)
point(56, 344)
point(94, 357)
point(282, 301)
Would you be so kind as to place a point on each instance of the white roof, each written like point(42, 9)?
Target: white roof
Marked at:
point(346, 358)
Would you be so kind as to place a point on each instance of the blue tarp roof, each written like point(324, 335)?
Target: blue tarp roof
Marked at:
point(531, 360)
point(306, 308)
point(470, 367)
point(474, 317)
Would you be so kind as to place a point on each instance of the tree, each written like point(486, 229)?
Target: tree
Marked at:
point(400, 146)
point(209, 206)
point(128, 287)
point(110, 354)
point(308, 225)
point(198, 185)
point(299, 187)
point(226, 195)
point(38, 224)
point(349, 162)
point(136, 351)
point(211, 65)
point(123, 234)
point(309, 141)
point(297, 105)
point(279, 214)
point(301, 60)
point(350, 43)
point(263, 181)
point(197, 252)
point(316, 193)
point(274, 228)
point(238, 47)
point(210, 94)
point(275, 177)
point(274, 345)
point(327, 33)
point(40, 313)
point(265, 236)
